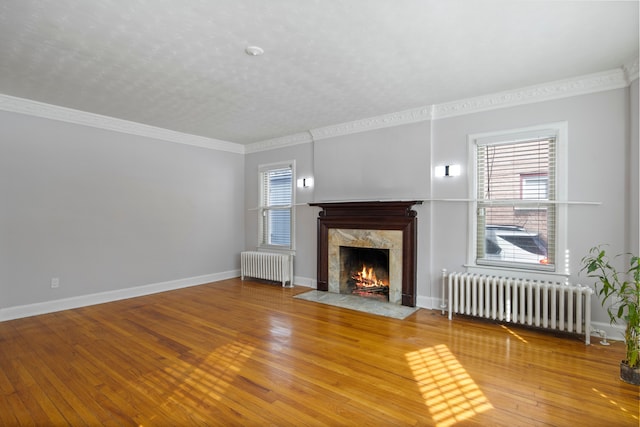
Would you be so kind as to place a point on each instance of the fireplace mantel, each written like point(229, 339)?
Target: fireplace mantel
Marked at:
point(371, 215)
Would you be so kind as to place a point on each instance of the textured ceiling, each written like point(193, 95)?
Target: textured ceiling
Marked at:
point(180, 64)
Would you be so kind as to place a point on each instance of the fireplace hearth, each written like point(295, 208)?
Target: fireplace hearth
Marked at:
point(383, 231)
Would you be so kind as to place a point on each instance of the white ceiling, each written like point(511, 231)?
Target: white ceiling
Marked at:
point(181, 65)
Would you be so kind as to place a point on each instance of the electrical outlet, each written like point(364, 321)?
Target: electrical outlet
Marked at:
point(55, 282)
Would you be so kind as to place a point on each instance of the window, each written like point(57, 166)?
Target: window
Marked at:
point(516, 216)
point(534, 186)
point(276, 205)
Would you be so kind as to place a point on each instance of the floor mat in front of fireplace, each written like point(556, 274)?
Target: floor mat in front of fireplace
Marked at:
point(357, 303)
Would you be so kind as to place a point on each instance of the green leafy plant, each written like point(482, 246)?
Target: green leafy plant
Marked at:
point(623, 288)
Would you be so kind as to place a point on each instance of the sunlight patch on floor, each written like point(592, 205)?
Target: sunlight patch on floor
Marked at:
point(210, 377)
point(447, 389)
point(513, 333)
point(635, 416)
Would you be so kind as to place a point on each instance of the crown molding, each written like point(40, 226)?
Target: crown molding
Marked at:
point(384, 121)
point(607, 80)
point(582, 85)
point(69, 115)
point(284, 141)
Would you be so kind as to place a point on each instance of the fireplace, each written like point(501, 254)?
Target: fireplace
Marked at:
point(355, 237)
point(364, 272)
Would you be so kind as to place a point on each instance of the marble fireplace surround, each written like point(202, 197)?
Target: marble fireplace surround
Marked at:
point(379, 224)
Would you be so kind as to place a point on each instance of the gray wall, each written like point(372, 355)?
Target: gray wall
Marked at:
point(105, 211)
point(599, 145)
point(597, 172)
point(390, 163)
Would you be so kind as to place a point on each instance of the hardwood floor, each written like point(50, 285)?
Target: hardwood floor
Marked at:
point(248, 353)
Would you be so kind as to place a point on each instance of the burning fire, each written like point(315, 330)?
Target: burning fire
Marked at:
point(366, 278)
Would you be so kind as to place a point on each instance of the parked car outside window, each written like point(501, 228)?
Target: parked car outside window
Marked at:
point(515, 244)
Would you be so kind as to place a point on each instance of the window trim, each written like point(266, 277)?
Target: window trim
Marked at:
point(262, 208)
point(557, 130)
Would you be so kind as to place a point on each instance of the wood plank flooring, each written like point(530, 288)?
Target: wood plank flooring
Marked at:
point(248, 353)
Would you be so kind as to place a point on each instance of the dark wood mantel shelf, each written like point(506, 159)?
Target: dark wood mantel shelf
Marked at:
point(371, 215)
point(369, 208)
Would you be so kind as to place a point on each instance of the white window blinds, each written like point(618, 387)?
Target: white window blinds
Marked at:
point(276, 204)
point(516, 215)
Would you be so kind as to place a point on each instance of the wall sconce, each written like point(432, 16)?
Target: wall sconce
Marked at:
point(305, 182)
point(447, 170)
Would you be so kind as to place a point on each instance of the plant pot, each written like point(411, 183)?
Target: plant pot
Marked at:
point(628, 374)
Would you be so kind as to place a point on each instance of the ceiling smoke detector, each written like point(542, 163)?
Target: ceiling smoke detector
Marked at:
point(254, 50)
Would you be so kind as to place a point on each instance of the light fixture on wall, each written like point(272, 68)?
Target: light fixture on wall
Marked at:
point(305, 182)
point(447, 170)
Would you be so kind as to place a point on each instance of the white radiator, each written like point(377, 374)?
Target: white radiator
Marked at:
point(267, 266)
point(550, 305)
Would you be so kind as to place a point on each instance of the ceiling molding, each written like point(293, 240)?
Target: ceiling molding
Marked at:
point(54, 112)
point(284, 141)
point(598, 82)
point(387, 120)
point(607, 80)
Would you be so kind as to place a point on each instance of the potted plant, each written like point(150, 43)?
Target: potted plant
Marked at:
point(622, 289)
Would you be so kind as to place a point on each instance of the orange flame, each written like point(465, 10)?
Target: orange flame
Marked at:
point(367, 278)
point(368, 274)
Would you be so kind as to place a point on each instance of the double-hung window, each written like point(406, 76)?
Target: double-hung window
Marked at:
point(276, 205)
point(516, 214)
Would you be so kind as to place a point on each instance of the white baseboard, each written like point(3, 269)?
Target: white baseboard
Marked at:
point(305, 281)
point(20, 311)
point(428, 302)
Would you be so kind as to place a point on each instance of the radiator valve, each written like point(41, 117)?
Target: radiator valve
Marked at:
point(603, 334)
